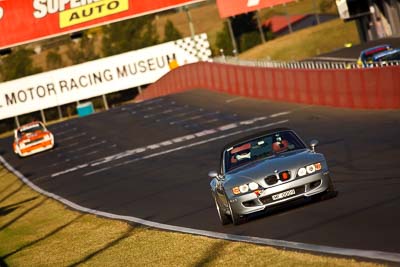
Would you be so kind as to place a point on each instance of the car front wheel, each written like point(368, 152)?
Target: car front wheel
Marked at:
point(236, 218)
point(223, 217)
point(331, 192)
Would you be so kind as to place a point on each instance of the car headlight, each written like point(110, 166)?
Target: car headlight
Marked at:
point(253, 186)
point(309, 169)
point(244, 188)
point(48, 136)
point(302, 172)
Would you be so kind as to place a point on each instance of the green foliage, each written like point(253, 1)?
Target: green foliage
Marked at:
point(129, 35)
point(326, 5)
point(244, 23)
point(224, 42)
point(244, 29)
point(249, 40)
point(170, 32)
point(82, 50)
point(53, 60)
point(18, 64)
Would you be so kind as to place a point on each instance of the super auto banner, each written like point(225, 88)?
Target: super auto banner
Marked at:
point(25, 21)
point(99, 77)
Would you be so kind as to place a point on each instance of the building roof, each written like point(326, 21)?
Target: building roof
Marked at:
point(278, 23)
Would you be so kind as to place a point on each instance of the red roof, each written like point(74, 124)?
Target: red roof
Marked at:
point(278, 23)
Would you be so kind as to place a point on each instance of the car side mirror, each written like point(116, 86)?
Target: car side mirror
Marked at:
point(214, 174)
point(313, 144)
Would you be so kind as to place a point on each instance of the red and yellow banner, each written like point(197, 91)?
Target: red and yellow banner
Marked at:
point(229, 8)
point(25, 21)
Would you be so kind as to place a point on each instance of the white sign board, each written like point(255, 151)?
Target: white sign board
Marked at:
point(98, 77)
point(343, 9)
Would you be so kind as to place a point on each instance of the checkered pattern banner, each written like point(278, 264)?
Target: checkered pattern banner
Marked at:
point(197, 46)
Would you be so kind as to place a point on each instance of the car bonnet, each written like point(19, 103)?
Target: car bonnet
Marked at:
point(260, 169)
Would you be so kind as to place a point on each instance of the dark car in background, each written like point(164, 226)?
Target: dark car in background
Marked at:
point(387, 56)
point(367, 56)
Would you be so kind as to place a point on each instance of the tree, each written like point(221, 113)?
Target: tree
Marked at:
point(53, 60)
point(224, 42)
point(326, 6)
point(244, 23)
point(242, 26)
point(129, 35)
point(170, 32)
point(245, 31)
point(249, 40)
point(82, 49)
point(18, 64)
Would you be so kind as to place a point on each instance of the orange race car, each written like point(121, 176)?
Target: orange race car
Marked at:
point(32, 138)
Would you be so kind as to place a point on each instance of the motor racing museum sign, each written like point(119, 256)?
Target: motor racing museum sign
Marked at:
point(99, 77)
point(48, 18)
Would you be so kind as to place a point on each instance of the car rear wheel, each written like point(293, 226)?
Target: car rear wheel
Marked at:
point(224, 218)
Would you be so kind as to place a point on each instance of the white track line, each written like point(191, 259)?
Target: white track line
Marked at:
point(71, 137)
point(180, 139)
point(186, 146)
point(369, 254)
point(170, 110)
point(195, 117)
point(65, 132)
point(233, 99)
point(88, 146)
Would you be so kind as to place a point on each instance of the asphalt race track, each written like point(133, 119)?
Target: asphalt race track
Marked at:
point(150, 160)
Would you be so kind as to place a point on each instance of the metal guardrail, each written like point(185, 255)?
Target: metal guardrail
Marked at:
point(314, 64)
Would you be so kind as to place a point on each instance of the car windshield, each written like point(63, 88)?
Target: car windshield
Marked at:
point(367, 56)
point(261, 147)
point(395, 55)
point(31, 128)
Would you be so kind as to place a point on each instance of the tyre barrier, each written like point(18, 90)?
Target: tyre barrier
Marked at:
point(374, 88)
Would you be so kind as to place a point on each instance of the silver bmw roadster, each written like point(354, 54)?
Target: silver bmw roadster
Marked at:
point(267, 169)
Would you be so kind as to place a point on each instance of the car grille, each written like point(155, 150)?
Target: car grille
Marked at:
point(268, 199)
point(271, 180)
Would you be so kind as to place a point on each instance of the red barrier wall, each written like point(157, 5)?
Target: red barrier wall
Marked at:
point(374, 88)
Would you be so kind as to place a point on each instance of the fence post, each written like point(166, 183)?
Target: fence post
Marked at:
point(59, 112)
point(43, 116)
point(105, 102)
point(17, 121)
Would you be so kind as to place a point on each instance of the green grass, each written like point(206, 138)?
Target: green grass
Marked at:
point(306, 43)
point(37, 231)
